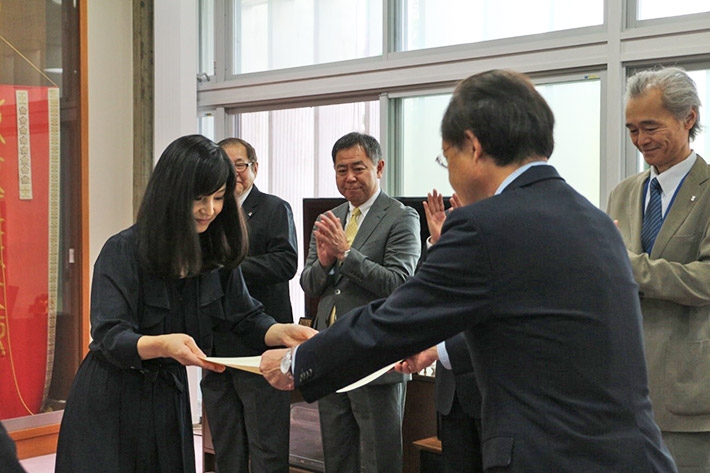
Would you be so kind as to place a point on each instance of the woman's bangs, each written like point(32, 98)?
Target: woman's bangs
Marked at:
point(210, 176)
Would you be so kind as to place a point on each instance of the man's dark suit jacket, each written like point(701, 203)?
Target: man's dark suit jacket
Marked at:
point(272, 262)
point(540, 281)
point(459, 382)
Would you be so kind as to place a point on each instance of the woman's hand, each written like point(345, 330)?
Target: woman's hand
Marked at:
point(288, 335)
point(178, 346)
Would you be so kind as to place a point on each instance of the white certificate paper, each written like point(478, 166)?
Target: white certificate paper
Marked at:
point(367, 379)
point(251, 364)
point(246, 363)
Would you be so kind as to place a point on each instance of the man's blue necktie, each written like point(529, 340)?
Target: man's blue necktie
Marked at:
point(653, 218)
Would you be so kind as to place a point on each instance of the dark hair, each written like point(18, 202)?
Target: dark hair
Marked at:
point(505, 112)
point(168, 243)
point(366, 142)
point(229, 142)
point(678, 92)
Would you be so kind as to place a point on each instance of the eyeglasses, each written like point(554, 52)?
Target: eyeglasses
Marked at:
point(441, 159)
point(241, 167)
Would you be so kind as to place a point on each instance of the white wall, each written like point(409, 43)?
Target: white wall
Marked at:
point(175, 71)
point(110, 83)
point(110, 50)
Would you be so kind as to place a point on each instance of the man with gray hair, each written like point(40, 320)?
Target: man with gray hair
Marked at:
point(663, 214)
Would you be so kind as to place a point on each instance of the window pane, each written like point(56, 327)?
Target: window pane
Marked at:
point(277, 34)
point(432, 23)
point(205, 126)
point(206, 32)
point(649, 9)
point(293, 147)
point(421, 143)
point(577, 155)
point(576, 106)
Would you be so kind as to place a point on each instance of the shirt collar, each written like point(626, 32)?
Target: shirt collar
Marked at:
point(368, 203)
point(671, 178)
point(244, 196)
point(514, 175)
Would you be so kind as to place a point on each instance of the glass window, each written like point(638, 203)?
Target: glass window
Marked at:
point(420, 144)
point(206, 42)
point(205, 126)
point(293, 148)
point(650, 9)
point(576, 105)
point(276, 34)
point(432, 23)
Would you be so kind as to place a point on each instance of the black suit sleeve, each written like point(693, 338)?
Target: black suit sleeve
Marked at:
point(459, 355)
point(8, 454)
point(280, 260)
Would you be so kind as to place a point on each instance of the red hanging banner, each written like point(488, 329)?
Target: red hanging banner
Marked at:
point(29, 232)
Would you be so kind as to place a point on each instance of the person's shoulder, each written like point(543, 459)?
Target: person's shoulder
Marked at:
point(274, 199)
point(126, 237)
point(631, 181)
point(702, 164)
point(120, 248)
point(395, 206)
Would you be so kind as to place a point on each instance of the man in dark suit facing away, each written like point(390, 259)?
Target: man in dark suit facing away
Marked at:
point(539, 280)
point(249, 420)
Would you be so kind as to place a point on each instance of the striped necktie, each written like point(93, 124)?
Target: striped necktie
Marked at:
point(653, 218)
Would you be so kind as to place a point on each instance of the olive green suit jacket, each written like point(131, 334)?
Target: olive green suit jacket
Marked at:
point(674, 288)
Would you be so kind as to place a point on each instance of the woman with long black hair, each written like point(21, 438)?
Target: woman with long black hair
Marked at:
point(159, 291)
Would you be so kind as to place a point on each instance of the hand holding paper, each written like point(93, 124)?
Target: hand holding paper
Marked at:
point(288, 335)
point(416, 363)
point(270, 367)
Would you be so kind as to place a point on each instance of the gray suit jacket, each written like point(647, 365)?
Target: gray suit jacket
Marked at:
point(383, 255)
point(674, 287)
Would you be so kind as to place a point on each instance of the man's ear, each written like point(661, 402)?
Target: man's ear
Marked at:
point(691, 119)
point(473, 145)
point(380, 168)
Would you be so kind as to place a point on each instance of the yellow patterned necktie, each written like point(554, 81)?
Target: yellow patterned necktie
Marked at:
point(351, 227)
point(350, 232)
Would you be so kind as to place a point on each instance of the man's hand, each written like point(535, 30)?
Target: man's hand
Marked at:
point(288, 335)
point(416, 363)
point(436, 213)
point(330, 239)
point(270, 367)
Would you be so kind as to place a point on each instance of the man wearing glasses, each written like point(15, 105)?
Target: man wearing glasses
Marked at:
point(538, 279)
point(248, 419)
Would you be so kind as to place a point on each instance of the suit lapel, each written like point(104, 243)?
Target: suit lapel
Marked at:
point(251, 203)
point(367, 226)
point(371, 220)
point(685, 201)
